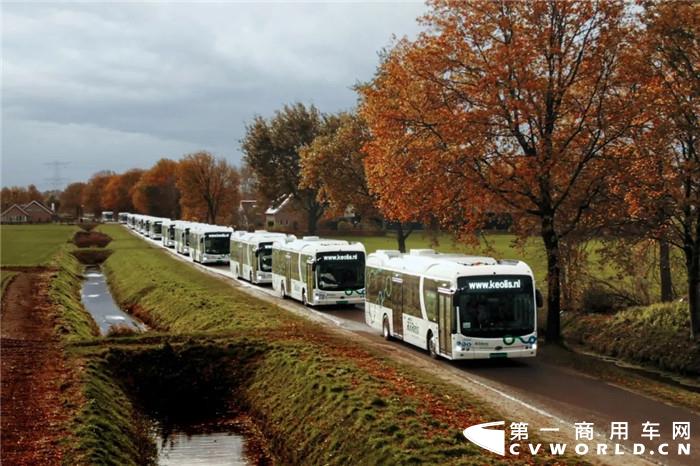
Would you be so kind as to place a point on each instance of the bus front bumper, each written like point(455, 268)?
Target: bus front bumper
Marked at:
point(215, 258)
point(458, 353)
point(327, 298)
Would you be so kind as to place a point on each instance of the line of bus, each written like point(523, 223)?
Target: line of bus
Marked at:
point(454, 306)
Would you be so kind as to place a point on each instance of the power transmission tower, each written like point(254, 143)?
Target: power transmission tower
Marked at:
point(56, 181)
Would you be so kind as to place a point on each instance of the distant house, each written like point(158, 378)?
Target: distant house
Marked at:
point(250, 215)
point(34, 212)
point(15, 214)
point(285, 215)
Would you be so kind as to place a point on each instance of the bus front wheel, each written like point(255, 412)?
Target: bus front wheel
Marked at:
point(432, 346)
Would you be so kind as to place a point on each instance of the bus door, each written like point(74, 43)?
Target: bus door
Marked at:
point(288, 273)
point(446, 317)
point(396, 298)
point(310, 277)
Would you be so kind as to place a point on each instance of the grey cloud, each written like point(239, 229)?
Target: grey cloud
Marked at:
point(120, 85)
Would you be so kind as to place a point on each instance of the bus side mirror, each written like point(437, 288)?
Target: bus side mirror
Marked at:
point(539, 300)
point(313, 266)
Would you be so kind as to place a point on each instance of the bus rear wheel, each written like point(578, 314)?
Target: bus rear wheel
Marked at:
point(432, 347)
point(386, 331)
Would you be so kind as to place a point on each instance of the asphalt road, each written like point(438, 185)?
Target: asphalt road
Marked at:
point(553, 392)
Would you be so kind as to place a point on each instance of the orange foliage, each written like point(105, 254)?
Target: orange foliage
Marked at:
point(92, 193)
point(72, 199)
point(209, 187)
point(515, 107)
point(156, 192)
point(118, 192)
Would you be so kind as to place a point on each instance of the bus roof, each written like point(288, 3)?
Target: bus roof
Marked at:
point(444, 266)
point(314, 244)
point(260, 236)
point(203, 228)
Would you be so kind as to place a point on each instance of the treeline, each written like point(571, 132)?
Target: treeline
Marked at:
point(199, 187)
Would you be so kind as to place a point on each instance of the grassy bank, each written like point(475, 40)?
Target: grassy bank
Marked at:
point(5, 279)
point(656, 335)
point(74, 321)
point(107, 429)
point(32, 245)
point(319, 398)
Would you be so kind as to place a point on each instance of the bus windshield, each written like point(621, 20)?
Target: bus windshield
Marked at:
point(495, 306)
point(265, 257)
point(217, 243)
point(157, 228)
point(339, 271)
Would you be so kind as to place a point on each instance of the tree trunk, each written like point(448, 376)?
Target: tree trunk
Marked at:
point(665, 271)
point(551, 244)
point(312, 221)
point(401, 236)
point(692, 259)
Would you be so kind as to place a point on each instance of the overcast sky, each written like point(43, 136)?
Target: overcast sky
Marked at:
point(120, 85)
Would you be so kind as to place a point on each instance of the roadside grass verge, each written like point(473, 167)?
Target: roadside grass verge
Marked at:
point(319, 398)
point(32, 245)
point(656, 335)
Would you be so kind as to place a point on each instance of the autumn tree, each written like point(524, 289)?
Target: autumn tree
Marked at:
point(156, 192)
point(118, 193)
point(508, 107)
point(333, 166)
point(20, 195)
point(271, 149)
point(92, 192)
point(208, 184)
point(72, 199)
point(668, 169)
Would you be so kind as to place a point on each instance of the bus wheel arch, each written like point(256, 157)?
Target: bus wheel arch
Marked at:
point(386, 330)
point(432, 345)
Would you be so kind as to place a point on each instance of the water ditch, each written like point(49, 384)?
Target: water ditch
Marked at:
point(189, 400)
point(98, 301)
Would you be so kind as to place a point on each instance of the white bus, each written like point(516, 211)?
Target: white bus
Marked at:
point(319, 271)
point(454, 306)
point(182, 236)
point(168, 233)
point(155, 228)
point(123, 216)
point(210, 244)
point(107, 216)
point(251, 255)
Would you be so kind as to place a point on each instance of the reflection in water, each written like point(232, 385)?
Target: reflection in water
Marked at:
point(222, 448)
point(98, 300)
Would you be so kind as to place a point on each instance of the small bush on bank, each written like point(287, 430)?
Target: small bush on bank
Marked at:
point(598, 299)
point(656, 335)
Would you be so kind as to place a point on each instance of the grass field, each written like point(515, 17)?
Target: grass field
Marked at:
point(32, 245)
point(643, 285)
